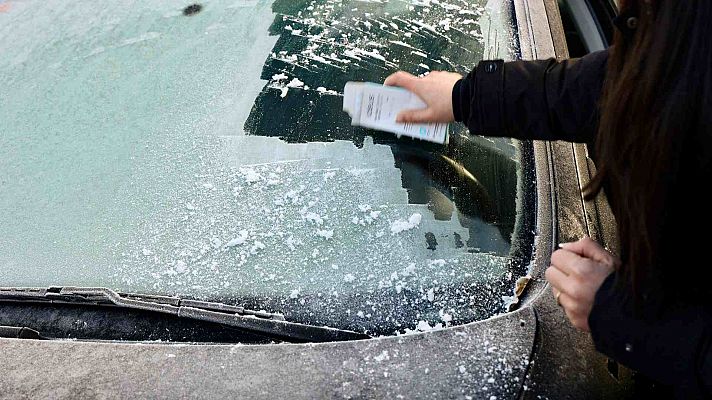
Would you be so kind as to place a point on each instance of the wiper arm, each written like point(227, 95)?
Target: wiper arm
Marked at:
point(267, 324)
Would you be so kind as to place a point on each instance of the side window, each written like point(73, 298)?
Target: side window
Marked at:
point(587, 24)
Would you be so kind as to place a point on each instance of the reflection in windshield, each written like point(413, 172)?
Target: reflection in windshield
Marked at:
point(144, 153)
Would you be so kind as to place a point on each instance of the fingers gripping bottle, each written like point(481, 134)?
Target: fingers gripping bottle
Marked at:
point(376, 106)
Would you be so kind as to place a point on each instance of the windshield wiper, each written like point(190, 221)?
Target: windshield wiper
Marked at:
point(267, 324)
point(16, 332)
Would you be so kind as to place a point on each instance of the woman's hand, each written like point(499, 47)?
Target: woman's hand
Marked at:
point(435, 89)
point(577, 270)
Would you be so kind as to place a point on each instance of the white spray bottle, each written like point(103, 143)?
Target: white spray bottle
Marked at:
point(376, 106)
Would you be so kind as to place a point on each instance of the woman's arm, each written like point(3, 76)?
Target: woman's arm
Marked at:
point(545, 100)
point(673, 348)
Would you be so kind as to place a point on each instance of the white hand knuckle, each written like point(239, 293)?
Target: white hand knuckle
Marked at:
point(550, 273)
point(590, 268)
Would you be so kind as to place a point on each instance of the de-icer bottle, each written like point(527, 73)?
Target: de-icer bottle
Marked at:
point(376, 106)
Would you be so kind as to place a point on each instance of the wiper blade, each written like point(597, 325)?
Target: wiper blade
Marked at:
point(268, 324)
point(16, 332)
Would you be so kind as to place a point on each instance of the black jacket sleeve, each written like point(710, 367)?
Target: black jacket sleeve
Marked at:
point(545, 100)
point(674, 347)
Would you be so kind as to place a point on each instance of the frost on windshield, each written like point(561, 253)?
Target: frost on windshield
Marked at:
point(313, 218)
point(207, 156)
point(322, 44)
point(324, 233)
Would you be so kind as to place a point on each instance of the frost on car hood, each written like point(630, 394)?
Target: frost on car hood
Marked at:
point(142, 151)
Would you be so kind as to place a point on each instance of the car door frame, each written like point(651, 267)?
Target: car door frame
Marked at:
point(565, 361)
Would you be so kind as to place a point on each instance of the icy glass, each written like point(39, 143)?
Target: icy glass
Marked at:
point(203, 153)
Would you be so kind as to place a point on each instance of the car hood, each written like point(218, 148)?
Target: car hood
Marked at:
point(478, 360)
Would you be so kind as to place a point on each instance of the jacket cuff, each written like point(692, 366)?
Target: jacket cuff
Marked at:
point(669, 348)
point(706, 367)
point(477, 99)
point(461, 99)
point(614, 331)
point(489, 96)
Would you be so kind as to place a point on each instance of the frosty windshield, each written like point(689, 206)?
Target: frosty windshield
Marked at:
point(202, 152)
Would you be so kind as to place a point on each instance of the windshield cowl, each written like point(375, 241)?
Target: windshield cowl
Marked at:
point(262, 322)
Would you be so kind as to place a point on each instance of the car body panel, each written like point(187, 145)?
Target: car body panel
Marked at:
point(478, 360)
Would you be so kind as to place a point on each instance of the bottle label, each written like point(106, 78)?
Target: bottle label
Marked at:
point(376, 106)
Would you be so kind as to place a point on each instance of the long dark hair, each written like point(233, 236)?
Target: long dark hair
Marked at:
point(656, 123)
